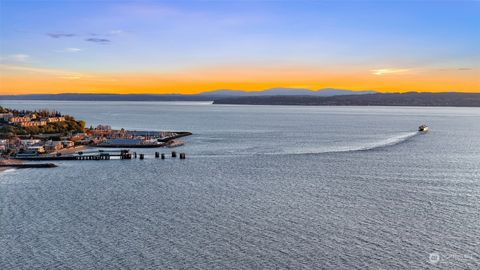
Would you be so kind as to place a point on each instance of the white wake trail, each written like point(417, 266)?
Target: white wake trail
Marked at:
point(394, 140)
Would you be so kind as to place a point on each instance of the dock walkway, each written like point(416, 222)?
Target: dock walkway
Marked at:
point(87, 155)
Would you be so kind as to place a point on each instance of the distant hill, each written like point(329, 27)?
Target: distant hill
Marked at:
point(286, 92)
point(390, 99)
point(107, 97)
point(283, 96)
point(205, 96)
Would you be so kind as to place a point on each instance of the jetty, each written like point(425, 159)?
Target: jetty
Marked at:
point(26, 166)
point(11, 163)
point(179, 134)
point(128, 144)
point(142, 139)
point(90, 155)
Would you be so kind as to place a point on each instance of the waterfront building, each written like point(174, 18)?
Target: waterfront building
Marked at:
point(3, 145)
point(103, 127)
point(5, 116)
point(30, 142)
point(55, 119)
point(19, 119)
point(36, 149)
point(51, 146)
point(33, 124)
point(123, 142)
point(68, 144)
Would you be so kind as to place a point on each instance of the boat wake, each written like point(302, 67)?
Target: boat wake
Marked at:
point(8, 170)
point(397, 139)
point(315, 150)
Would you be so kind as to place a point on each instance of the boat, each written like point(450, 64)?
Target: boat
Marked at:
point(174, 143)
point(423, 128)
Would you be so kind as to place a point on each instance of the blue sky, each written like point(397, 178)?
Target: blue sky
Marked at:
point(172, 36)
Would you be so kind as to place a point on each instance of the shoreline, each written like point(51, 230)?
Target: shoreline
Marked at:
point(6, 164)
point(18, 164)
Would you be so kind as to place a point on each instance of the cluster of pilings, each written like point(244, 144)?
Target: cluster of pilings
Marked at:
point(125, 154)
point(94, 157)
point(182, 155)
point(159, 155)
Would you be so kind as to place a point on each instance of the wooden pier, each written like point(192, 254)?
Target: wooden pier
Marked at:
point(98, 155)
point(90, 155)
point(179, 135)
point(27, 166)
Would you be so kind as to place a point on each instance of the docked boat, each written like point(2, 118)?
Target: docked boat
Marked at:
point(423, 128)
point(174, 143)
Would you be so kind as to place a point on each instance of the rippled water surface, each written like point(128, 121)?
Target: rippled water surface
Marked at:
point(263, 187)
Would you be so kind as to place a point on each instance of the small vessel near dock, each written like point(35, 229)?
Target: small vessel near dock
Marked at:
point(423, 128)
point(140, 139)
point(174, 143)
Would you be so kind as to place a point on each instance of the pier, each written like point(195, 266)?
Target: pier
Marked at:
point(90, 155)
point(26, 166)
point(98, 155)
point(142, 139)
point(179, 135)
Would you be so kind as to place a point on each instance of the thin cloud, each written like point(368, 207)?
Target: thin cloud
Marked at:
point(19, 58)
point(116, 32)
point(60, 35)
point(56, 73)
point(73, 50)
point(388, 71)
point(63, 74)
point(455, 69)
point(98, 40)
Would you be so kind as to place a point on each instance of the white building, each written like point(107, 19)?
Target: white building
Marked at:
point(5, 116)
point(30, 142)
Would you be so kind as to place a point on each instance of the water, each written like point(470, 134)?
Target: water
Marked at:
point(262, 187)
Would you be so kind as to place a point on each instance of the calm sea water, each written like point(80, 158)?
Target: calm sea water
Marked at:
point(263, 187)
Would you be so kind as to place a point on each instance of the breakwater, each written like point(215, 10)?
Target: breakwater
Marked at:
point(92, 155)
point(25, 166)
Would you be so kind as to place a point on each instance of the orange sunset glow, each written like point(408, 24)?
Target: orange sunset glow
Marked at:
point(25, 81)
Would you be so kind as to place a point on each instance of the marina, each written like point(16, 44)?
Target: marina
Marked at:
point(44, 135)
point(94, 155)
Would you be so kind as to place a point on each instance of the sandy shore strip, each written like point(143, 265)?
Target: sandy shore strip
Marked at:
point(6, 162)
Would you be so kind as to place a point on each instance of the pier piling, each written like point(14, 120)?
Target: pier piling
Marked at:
point(134, 154)
point(163, 156)
point(157, 154)
point(141, 156)
point(174, 154)
point(182, 155)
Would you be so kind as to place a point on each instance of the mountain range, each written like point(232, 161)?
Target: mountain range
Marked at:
point(204, 96)
point(325, 92)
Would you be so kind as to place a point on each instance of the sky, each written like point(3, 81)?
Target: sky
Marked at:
point(194, 46)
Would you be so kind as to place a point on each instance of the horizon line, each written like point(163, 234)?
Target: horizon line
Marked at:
point(245, 91)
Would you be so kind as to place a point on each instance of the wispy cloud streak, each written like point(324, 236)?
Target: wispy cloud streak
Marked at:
point(60, 35)
point(73, 50)
point(19, 57)
point(388, 71)
point(98, 40)
point(63, 74)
